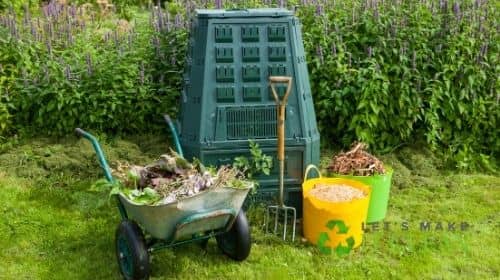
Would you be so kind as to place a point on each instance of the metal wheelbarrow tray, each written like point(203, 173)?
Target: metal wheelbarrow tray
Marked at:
point(144, 229)
point(206, 211)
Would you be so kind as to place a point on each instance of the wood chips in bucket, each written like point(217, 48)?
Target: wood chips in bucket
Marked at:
point(357, 162)
point(336, 192)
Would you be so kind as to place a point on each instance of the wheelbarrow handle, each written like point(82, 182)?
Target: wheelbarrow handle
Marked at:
point(175, 135)
point(80, 132)
point(100, 155)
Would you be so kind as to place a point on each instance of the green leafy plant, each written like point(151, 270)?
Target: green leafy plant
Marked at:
point(103, 186)
point(256, 164)
point(146, 196)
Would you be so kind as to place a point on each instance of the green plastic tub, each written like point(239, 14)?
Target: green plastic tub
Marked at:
point(381, 186)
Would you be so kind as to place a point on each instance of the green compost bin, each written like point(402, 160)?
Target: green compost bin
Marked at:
point(227, 100)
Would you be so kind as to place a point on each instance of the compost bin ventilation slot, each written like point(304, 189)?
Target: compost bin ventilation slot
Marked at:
point(251, 122)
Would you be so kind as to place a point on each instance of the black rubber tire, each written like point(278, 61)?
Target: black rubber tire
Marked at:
point(236, 243)
point(131, 251)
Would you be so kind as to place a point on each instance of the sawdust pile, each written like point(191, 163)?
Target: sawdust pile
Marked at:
point(336, 193)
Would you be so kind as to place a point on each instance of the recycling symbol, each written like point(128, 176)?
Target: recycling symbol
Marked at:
point(339, 250)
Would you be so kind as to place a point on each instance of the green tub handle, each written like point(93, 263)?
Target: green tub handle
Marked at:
point(100, 155)
point(174, 135)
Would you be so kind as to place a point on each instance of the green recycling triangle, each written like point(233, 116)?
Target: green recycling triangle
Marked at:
point(342, 229)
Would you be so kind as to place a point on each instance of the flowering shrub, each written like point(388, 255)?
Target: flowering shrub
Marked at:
point(383, 72)
point(74, 69)
point(395, 72)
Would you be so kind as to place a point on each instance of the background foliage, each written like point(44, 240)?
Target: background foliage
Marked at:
point(389, 73)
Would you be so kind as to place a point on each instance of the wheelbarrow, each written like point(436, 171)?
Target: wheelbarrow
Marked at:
point(145, 229)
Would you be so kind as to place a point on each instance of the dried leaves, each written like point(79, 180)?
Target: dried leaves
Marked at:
point(356, 162)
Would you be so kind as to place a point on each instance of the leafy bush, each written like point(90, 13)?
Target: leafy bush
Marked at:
point(17, 5)
point(395, 73)
point(98, 75)
point(388, 73)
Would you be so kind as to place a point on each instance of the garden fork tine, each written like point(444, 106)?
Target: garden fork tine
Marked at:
point(281, 207)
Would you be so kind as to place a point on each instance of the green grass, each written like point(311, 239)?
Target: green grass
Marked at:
point(52, 227)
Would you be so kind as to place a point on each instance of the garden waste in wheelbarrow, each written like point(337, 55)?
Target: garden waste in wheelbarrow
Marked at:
point(211, 213)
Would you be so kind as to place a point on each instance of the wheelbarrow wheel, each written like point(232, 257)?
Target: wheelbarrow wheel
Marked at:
point(235, 243)
point(131, 251)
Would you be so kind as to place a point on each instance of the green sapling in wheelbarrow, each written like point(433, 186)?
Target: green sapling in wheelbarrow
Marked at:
point(145, 228)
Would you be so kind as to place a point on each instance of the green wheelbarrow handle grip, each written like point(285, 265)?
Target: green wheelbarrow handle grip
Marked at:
point(100, 155)
point(80, 132)
point(175, 135)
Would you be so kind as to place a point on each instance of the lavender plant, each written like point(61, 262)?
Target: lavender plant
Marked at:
point(385, 72)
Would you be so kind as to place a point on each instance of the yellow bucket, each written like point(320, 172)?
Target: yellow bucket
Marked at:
point(333, 224)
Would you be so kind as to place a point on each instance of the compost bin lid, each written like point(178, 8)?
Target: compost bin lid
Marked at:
point(238, 13)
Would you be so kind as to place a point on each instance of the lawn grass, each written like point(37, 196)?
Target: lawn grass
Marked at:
point(52, 227)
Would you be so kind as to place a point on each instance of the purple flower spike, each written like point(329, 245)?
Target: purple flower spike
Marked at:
point(159, 22)
point(443, 4)
point(72, 10)
point(168, 24)
point(218, 4)
point(25, 77)
point(45, 11)
point(334, 50)
point(319, 52)
point(67, 72)
point(375, 13)
point(319, 10)
point(88, 60)
point(33, 31)
point(456, 10)
point(482, 53)
point(370, 52)
point(49, 47)
point(130, 40)
point(27, 16)
point(477, 4)
point(141, 73)
point(414, 61)
point(394, 30)
point(178, 20)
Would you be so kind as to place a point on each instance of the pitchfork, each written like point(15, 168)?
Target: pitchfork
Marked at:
point(281, 208)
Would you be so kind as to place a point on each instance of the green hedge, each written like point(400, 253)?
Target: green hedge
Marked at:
point(393, 74)
point(106, 75)
point(384, 72)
